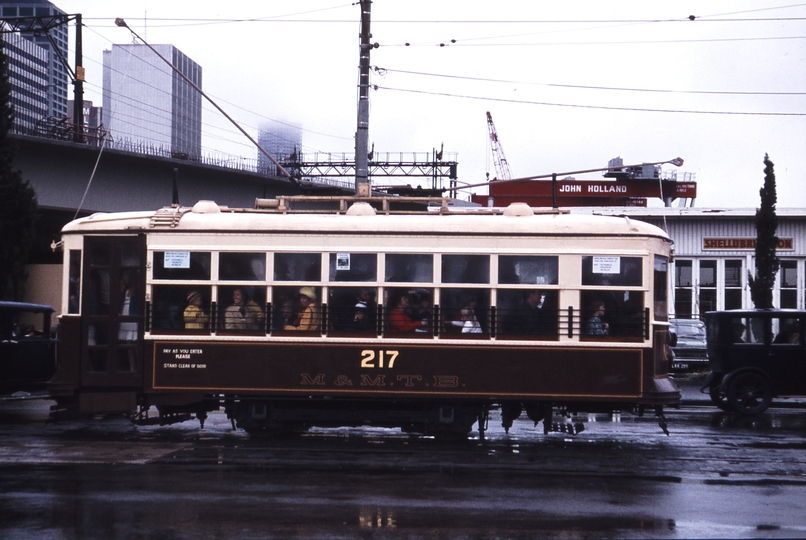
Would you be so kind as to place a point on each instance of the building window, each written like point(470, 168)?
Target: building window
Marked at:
point(682, 288)
point(708, 286)
point(789, 284)
point(733, 284)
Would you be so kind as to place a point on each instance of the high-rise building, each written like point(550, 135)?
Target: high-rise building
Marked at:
point(39, 80)
point(147, 103)
point(281, 141)
point(27, 73)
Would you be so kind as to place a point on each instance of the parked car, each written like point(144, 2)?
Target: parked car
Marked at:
point(689, 345)
point(27, 347)
point(754, 356)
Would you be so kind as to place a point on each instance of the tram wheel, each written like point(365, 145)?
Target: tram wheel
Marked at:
point(719, 399)
point(749, 393)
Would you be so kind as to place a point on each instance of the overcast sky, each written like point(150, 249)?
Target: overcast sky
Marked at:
point(569, 84)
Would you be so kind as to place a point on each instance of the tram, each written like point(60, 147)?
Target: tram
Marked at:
point(290, 318)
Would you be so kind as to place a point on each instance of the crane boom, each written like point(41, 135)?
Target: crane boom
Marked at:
point(499, 159)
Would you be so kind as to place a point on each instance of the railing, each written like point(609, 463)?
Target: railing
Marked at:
point(432, 322)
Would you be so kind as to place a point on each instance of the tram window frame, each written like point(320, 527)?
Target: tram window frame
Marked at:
point(465, 312)
point(513, 313)
point(399, 267)
point(249, 322)
point(624, 314)
point(465, 268)
point(297, 266)
point(660, 275)
point(595, 271)
point(345, 316)
point(74, 279)
point(197, 268)
point(241, 266)
point(514, 270)
point(391, 299)
point(169, 304)
point(281, 294)
point(352, 267)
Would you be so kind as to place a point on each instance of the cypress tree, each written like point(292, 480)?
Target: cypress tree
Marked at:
point(18, 204)
point(766, 241)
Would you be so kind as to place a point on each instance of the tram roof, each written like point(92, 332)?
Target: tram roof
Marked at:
point(517, 219)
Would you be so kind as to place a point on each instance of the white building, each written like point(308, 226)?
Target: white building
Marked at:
point(147, 104)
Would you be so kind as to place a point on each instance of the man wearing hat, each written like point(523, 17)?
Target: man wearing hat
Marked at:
point(195, 317)
point(307, 318)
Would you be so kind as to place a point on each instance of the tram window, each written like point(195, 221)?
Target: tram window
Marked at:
point(74, 287)
point(96, 292)
point(242, 266)
point(100, 254)
point(242, 309)
point(130, 254)
point(353, 267)
point(297, 309)
point(409, 267)
point(465, 269)
point(182, 265)
point(409, 311)
point(465, 312)
point(352, 310)
point(528, 314)
point(180, 308)
point(612, 271)
point(297, 267)
point(612, 313)
point(527, 270)
point(661, 277)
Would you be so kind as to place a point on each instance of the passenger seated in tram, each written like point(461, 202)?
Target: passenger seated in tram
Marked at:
point(194, 316)
point(595, 325)
point(284, 313)
point(362, 322)
point(307, 318)
point(400, 318)
point(535, 314)
point(243, 314)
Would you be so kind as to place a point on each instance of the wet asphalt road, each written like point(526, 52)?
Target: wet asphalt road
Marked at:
point(717, 475)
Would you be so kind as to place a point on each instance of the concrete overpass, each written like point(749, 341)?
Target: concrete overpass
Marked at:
point(60, 171)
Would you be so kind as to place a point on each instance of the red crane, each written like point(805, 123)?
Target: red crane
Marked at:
point(500, 160)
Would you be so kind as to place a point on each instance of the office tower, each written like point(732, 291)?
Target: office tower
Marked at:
point(38, 76)
point(148, 104)
point(281, 141)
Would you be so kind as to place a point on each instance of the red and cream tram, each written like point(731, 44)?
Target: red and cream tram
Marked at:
point(360, 316)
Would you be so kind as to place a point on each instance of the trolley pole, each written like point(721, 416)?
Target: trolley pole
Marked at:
point(362, 130)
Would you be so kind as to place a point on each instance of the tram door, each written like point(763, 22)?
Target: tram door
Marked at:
point(112, 311)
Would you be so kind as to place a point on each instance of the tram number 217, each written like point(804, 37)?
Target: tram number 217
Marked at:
point(378, 359)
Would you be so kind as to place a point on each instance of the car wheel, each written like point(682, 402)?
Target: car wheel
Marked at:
point(749, 393)
point(719, 399)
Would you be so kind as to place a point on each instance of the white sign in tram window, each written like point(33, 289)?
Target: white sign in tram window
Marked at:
point(177, 259)
point(342, 261)
point(606, 265)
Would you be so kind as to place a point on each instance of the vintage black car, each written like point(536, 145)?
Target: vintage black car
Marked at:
point(27, 347)
point(754, 356)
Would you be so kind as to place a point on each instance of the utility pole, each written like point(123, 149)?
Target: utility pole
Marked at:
point(362, 187)
point(78, 86)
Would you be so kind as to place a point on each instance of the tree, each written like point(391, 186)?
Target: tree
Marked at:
point(18, 204)
point(766, 241)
